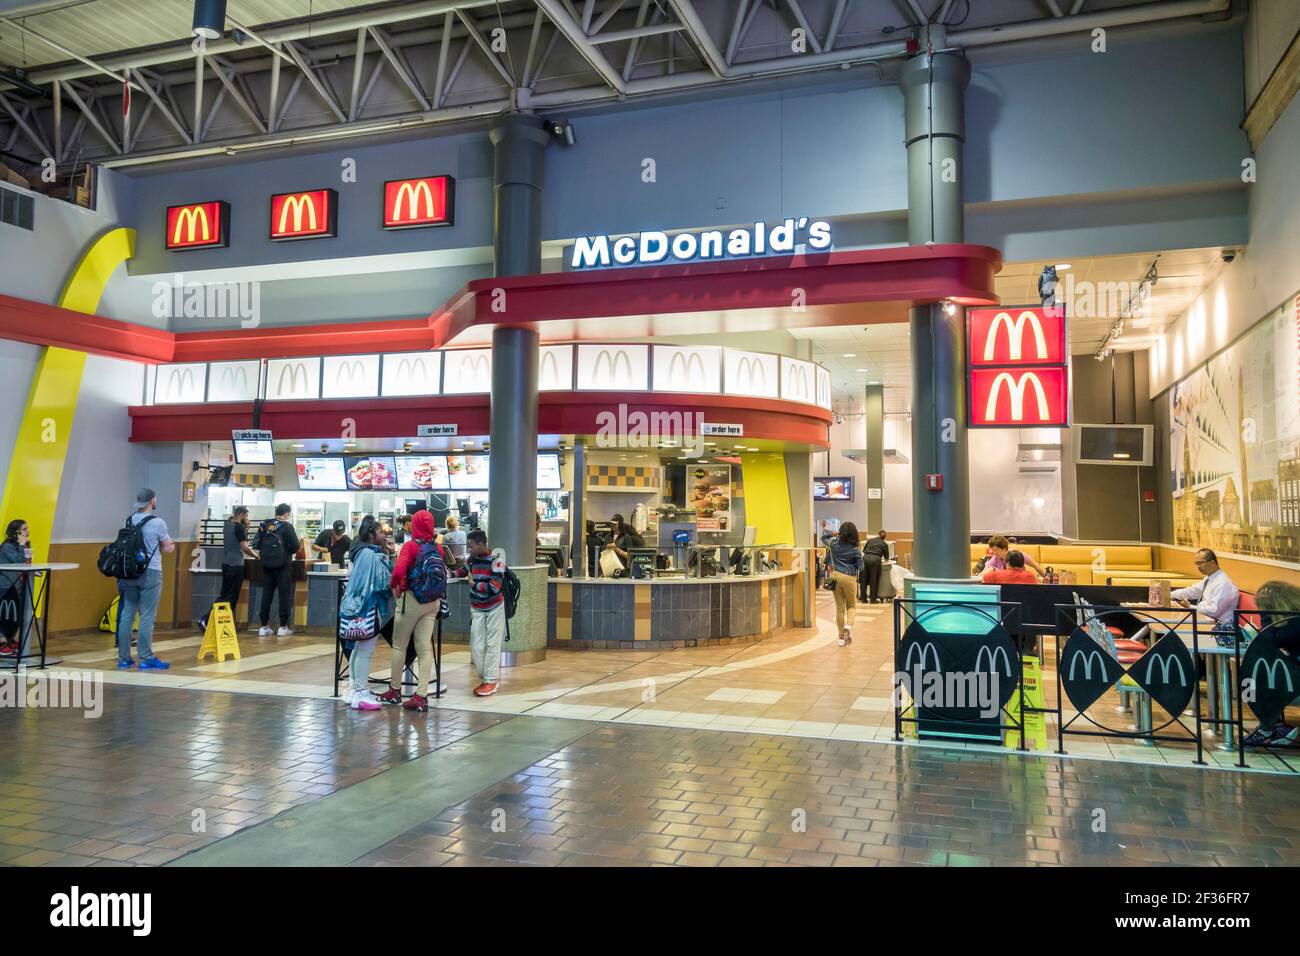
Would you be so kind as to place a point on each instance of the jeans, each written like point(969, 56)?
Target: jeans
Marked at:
point(140, 594)
point(277, 580)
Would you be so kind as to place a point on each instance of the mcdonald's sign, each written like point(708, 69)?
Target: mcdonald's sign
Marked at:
point(415, 203)
point(1020, 352)
point(200, 225)
point(1023, 335)
point(1034, 397)
point(305, 215)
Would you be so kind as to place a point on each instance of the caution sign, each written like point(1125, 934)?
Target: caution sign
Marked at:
point(221, 640)
point(1035, 724)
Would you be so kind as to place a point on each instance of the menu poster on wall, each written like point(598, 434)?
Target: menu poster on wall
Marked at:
point(371, 473)
point(321, 474)
point(708, 490)
point(548, 472)
point(468, 472)
point(417, 473)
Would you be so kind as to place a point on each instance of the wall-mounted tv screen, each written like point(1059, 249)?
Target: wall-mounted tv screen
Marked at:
point(371, 472)
point(833, 489)
point(321, 474)
point(422, 473)
point(1112, 444)
point(258, 452)
point(548, 471)
point(468, 472)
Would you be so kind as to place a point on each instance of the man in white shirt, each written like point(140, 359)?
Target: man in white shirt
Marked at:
point(1216, 596)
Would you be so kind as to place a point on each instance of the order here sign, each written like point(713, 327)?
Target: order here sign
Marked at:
point(1018, 372)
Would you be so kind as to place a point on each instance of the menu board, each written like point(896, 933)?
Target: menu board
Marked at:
point(370, 472)
point(321, 474)
point(548, 472)
point(468, 472)
point(257, 452)
point(422, 473)
point(708, 490)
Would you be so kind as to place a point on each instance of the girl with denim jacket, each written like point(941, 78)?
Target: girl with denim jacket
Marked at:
point(367, 592)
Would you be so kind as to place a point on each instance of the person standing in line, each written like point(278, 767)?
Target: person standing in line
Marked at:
point(277, 543)
point(234, 539)
point(844, 561)
point(141, 594)
point(413, 618)
point(487, 618)
point(13, 550)
point(874, 554)
point(368, 592)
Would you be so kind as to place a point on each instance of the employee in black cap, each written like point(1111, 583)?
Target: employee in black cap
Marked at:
point(334, 542)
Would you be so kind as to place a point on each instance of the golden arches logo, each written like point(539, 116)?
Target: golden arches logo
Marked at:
point(234, 378)
point(753, 372)
point(180, 383)
point(1166, 661)
point(1088, 658)
point(796, 381)
point(1017, 392)
point(472, 367)
point(414, 367)
point(549, 373)
point(291, 373)
point(1271, 668)
point(295, 205)
point(350, 372)
point(610, 363)
point(1015, 335)
point(413, 192)
point(192, 217)
point(682, 364)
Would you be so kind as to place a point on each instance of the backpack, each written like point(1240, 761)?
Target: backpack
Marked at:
point(510, 588)
point(272, 545)
point(126, 557)
point(428, 574)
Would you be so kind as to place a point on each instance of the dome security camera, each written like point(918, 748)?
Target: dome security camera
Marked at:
point(1227, 255)
point(324, 448)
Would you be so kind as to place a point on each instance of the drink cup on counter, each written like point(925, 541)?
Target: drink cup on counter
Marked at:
point(27, 555)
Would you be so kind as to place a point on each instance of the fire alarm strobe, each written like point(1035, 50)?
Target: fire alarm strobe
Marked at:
point(934, 482)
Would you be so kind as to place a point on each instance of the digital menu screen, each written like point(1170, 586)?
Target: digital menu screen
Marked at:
point(321, 474)
point(371, 473)
point(257, 452)
point(468, 472)
point(833, 489)
point(422, 473)
point(548, 472)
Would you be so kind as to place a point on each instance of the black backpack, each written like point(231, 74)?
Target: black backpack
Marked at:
point(126, 557)
point(271, 545)
point(510, 590)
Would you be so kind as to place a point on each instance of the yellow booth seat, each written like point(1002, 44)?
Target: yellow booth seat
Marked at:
point(978, 551)
point(1115, 556)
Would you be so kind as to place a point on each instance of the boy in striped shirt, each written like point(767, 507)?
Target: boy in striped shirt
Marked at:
point(487, 618)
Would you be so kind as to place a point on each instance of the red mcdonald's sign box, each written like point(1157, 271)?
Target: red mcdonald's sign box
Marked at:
point(1018, 367)
point(304, 215)
point(415, 203)
point(199, 225)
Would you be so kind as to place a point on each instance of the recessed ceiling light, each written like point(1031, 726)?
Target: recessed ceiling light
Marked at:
point(1063, 266)
point(296, 445)
point(864, 370)
point(850, 354)
point(873, 382)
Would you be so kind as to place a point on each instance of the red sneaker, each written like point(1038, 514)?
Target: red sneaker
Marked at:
point(390, 696)
point(8, 650)
point(485, 689)
point(417, 702)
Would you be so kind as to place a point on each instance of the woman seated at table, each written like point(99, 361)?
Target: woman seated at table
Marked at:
point(1279, 605)
point(1014, 573)
point(12, 551)
point(996, 558)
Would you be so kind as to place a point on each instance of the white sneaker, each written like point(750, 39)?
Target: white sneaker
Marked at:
point(264, 632)
point(840, 642)
point(284, 632)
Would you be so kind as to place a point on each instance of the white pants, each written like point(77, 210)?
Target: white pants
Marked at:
point(487, 629)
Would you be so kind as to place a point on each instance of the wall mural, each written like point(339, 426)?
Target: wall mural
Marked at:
point(1235, 444)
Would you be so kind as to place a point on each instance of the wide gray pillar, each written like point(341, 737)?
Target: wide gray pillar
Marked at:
point(518, 142)
point(874, 406)
point(934, 86)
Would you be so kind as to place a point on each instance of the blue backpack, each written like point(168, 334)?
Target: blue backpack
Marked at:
point(428, 575)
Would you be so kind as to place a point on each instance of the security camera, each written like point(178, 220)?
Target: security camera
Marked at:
point(487, 447)
point(324, 448)
point(1227, 255)
point(407, 446)
point(562, 130)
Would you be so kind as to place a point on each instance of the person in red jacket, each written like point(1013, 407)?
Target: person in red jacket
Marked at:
point(413, 618)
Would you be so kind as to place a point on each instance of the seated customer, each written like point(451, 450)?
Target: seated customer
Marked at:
point(996, 559)
point(1014, 573)
point(1279, 606)
point(1215, 595)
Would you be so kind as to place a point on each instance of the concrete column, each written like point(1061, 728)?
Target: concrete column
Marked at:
point(874, 406)
point(518, 142)
point(934, 87)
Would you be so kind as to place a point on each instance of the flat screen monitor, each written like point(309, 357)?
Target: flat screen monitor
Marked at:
point(258, 452)
point(321, 474)
point(548, 471)
point(468, 472)
point(370, 472)
point(1112, 444)
point(833, 489)
point(422, 473)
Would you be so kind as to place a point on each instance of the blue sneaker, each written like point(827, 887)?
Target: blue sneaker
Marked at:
point(154, 664)
point(125, 665)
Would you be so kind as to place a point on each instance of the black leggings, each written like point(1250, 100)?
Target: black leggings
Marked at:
point(277, 580)
point(869, 582)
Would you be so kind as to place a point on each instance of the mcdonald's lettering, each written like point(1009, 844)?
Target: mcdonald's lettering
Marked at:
point(197, 226)
point(1034, 336)
point(412, 203)
point(307, 215)
point(1033, 397)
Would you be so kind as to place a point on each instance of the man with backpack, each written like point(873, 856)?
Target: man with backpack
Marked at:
point(135, 559)
point(277, 543)
point(489, 589)
point(421, 570)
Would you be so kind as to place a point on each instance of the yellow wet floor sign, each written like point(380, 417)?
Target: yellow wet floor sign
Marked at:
point(1035, 724)
point(220, 639)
